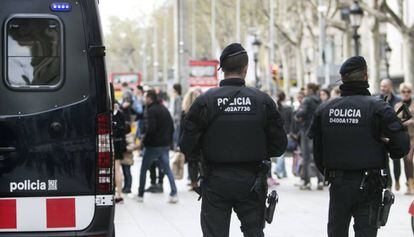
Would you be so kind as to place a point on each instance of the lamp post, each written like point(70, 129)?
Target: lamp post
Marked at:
point(256, 48)
point(387, 55)
point(355, 17)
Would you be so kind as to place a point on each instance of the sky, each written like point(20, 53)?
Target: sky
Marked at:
point(125, 9)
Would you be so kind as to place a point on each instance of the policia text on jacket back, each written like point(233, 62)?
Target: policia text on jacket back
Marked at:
point(352, 135)
point(236, 128)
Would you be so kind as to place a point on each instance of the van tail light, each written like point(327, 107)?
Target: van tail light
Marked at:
point(105, 171)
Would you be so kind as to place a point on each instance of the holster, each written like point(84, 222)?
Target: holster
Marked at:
point(198, 190)
point(260, 187)
point(205, 172)
point(272, 200)
point(388, 199)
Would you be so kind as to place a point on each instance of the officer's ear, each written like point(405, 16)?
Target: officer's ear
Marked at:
point(245, 69)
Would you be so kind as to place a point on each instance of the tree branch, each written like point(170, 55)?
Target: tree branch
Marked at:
point(398, 21)
point(394, 19)
point(306, 24)
point(337, 24)
point(333, 14)
point(329, 7)
point(314, 5)
point(280, 28)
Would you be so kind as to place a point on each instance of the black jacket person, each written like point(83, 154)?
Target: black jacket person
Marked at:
point(235, 128)
point(352, 135)
point(304, 116)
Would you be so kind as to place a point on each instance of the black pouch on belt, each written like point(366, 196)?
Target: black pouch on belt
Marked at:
point(388, 199)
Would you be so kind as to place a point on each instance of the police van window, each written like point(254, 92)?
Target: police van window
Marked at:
point(33, 52)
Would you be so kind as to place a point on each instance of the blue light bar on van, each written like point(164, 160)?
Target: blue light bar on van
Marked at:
point(61, 7)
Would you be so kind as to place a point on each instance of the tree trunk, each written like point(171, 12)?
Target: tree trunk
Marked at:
point(299, 66)
point(347, 47)
point(285, 71)
point(408, 48)
point(375, 57)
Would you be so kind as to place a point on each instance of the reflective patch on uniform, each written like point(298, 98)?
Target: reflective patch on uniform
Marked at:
point(240, 104)
point(344, 116)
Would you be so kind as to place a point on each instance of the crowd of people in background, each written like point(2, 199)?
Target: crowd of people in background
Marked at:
point(157, 119)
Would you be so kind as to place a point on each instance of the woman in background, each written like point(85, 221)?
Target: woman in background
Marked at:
point(287, 115)
point(335, 92)
point(193, 162)
point(406, 93)
point(324, 95)
point(119, 132)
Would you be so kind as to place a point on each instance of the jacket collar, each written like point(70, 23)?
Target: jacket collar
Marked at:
point(232, 82)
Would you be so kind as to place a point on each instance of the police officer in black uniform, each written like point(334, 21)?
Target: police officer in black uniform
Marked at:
point(235, 128)
point(352, 135)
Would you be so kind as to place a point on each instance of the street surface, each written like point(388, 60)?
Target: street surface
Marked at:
point(299, 213)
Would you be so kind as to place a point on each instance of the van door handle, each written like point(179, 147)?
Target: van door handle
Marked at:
point(7, 149)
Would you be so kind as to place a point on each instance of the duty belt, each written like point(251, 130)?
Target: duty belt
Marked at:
point(329, 174)
point(341, 173)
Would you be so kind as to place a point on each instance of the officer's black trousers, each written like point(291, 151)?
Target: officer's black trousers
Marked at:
point(347, 201)
point(230, 188)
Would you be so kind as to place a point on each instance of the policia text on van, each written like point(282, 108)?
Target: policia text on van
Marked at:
point(55, 127)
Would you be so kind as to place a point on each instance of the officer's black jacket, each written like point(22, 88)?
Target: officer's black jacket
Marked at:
point(347, 133)
point(245, 137)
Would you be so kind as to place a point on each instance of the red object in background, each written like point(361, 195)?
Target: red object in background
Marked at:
point(411, 210)
point(60, 213)
point(133, 79)
point(203, 73)
point(8, 214)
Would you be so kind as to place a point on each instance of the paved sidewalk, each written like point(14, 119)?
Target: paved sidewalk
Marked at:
point(299, 213)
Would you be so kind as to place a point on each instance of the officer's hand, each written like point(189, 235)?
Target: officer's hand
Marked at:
point(386, 140)
point(408, 122)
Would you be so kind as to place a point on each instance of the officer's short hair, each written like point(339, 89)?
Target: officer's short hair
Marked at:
point(235, 64)
point(355, 76)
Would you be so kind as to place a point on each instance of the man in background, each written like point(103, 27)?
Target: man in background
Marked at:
point(387, 94)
